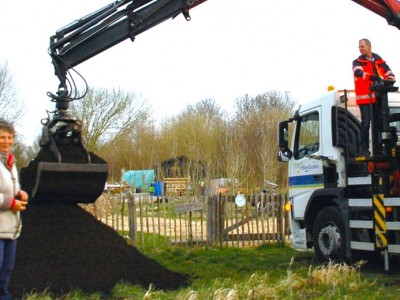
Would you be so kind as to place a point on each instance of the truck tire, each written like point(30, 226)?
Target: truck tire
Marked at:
point(329, 235)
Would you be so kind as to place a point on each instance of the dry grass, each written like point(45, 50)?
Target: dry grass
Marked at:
point(332, 281)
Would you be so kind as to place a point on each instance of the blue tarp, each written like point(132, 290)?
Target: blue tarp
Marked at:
point(158, 188)
point(139, 178)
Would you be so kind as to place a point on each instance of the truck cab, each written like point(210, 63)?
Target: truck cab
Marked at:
point(330, 186)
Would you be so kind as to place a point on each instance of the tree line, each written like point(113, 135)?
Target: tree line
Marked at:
point(118, 127)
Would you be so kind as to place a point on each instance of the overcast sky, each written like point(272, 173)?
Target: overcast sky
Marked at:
point(230, 48)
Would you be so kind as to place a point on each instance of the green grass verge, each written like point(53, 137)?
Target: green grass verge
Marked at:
point(265, 272)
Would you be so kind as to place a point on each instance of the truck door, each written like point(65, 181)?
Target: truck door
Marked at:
point(305, 172)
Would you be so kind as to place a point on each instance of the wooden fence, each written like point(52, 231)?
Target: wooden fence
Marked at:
point(148, 221)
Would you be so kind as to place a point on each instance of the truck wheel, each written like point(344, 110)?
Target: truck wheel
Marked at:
point(328, 234)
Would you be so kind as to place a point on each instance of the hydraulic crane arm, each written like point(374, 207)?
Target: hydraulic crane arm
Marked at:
point(91, 35)
point(101, 30)
point(388, 9)
point(64, 170)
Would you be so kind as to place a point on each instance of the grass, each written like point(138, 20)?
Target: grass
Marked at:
point(265, 272)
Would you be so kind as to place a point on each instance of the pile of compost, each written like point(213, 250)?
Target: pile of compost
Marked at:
point(63, 248)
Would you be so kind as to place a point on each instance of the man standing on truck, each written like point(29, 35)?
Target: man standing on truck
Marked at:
point(368, 68)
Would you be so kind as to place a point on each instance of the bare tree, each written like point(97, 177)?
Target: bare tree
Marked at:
point(10, 107)
point(280, 108)
point(256, 121)
point(136, 150)
point(108, 114)
point(194, 133)
point(232, 159)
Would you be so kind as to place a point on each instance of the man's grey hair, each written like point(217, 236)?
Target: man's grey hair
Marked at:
point(367, 41)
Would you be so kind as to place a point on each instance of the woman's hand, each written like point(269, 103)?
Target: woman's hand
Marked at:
point(22, 195)
point(21, 200)
point(19, 205)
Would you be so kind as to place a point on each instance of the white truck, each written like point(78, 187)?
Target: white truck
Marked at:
point(339, 201)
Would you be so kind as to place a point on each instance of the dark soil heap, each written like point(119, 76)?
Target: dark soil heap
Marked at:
point(63, 248)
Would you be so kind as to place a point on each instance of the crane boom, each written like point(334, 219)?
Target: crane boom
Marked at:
point(64, 170)
point(114, 23)
point(388, 9)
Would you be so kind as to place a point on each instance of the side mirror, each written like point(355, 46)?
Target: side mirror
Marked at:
point(283, 139)
point(284, 155)
point(283, 135)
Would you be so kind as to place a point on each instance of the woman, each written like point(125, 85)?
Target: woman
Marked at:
point(12, 201)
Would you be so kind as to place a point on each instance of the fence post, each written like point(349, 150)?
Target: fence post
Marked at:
point(220, 218)
point(212, 219)
point(279, 216)
point(132, 219)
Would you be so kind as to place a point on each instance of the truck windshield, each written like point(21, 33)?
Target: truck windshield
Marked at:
point(307, 137)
